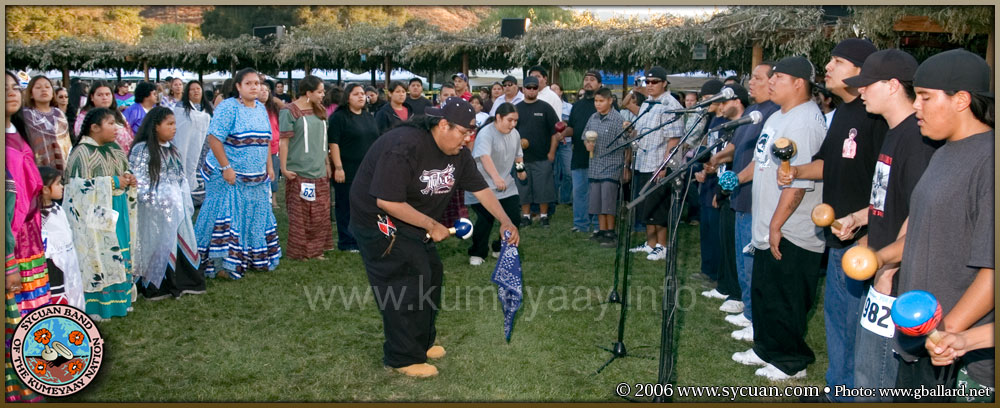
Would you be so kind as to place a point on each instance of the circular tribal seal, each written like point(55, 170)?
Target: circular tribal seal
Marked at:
point(56, 350)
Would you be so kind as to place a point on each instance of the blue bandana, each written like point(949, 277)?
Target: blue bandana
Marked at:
point(507, 276)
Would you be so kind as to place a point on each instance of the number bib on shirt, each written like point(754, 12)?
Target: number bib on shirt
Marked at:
point(875, 316)
point(308, 192)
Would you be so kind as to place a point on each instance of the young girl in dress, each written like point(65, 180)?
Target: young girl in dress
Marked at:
point(57, 238)
point(100, 205)
point(166, 256)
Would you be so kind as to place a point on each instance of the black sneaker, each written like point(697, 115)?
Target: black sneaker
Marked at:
point(544, 221)
point(597, 235)
point(609, 240)
point(525, 221)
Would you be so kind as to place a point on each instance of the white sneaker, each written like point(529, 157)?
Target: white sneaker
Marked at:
point(476, 261)
point(748, 357)
point(732, 306)
point(495, 254)
point(739, 320)
point(713, 294)
point(774, 374)
point(659, 253)
point(745, 334)
point(642, 248)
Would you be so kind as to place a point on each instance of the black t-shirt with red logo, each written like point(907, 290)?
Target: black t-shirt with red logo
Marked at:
point(406, 165)
point(849, 154)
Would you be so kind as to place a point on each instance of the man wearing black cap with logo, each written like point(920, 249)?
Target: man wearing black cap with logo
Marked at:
point(845, 164)
point(403, 185)
point(886, 86)
point(788, 246)
point(582, 110)
point(948, 248)
point(652, 150)
point(510, 94)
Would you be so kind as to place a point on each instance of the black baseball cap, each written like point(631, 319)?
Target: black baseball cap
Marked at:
point(509, 78)
point(530, 81)
point(455, 110)
point(955, 70)
point(711, 87)
point(741, 93)
point(884, 65)
point(796, 66)
point(657, 72)
point(594, 73)
point(855, 50)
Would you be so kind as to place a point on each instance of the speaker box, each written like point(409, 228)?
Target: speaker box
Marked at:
point(268, 34)
point(512, 27)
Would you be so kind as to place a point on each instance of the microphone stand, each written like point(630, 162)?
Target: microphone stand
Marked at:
point(670, 284)
point(630, 126)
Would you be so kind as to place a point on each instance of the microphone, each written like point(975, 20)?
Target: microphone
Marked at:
point(754, 118)
point(725, 95)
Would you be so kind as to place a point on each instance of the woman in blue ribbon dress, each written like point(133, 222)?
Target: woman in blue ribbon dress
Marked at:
point(236, 228)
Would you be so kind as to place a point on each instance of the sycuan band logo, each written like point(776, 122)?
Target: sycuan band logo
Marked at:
point(56, 350)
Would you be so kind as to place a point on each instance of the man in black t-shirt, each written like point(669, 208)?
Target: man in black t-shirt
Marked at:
point(582, 110)
point(415, 98)
point(536, 124)
point(845, 163)
point(403, 185)
point(886, 86)
point(279, 92)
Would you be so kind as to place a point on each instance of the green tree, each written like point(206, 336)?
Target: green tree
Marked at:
point(538, 15)
point(233, 21)
point(184, 32)
point(44, 23)
point(341, 17)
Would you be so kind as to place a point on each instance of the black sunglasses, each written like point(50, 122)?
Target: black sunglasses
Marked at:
point(531, 87)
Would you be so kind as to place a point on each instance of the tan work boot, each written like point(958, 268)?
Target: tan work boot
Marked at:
point(418, 370)
point(436, 352)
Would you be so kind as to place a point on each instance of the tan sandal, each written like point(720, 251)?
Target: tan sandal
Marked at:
point(421, 370)
point(436, 352)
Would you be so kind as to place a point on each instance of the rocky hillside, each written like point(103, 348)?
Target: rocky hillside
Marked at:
point(450, 18)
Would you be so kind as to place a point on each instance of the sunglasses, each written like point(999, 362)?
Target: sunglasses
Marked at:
point(509, 84)
point(653, 81)
point(531, 87)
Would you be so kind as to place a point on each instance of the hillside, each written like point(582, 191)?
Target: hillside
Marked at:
point(449, 18)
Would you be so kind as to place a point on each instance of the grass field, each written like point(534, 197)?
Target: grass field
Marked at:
point(310, 331)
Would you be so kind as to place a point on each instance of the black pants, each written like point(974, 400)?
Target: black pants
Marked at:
point(406, 282)
point(782, 292)
point(729, 283)
point(342, 215)
point(482, 228)
point(922, 372)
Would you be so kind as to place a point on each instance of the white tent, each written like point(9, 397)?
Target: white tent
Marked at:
point(348, 76)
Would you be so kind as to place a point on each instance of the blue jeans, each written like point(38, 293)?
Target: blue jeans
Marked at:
point(874, 363)
point(744, 262)
point(581, 200)
point(561, 173)
point(841, 301)
point(277, 172)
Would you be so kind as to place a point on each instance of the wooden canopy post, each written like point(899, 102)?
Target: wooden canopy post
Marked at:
point(990, 55)
point(372, 71)
point(157, 75)
point(145, 71)
point(465, 66)
point(554, 76)
point(307, 69)
point(387, 68)
point(65, 73)
point(624, 84)
point(119, 77)
point(200, 78)
point(758, 55)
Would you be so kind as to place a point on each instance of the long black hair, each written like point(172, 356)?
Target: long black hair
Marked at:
point(206, 105)
point(312, 83)
point(114, 102)
point(238, 79)
point(17, 118)
point(147, 134)
point(504, 109)
point(94, 117)
point(345, 99)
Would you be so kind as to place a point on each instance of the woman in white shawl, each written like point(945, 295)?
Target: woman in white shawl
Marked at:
point(193, 114)
point(166, 255)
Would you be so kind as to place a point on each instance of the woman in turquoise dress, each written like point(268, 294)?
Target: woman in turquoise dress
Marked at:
point(236, 228)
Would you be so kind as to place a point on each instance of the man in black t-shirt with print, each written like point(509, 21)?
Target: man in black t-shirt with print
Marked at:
point(403, 185)
point(415, 97)
point(886, 86)
point(845, 163)
point(536, 123)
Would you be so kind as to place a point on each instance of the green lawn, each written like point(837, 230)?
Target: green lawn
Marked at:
point(310, 331)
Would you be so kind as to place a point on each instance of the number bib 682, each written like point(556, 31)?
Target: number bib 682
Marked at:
point(875, 315)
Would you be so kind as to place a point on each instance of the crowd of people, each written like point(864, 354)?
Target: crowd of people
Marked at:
point(156, 188)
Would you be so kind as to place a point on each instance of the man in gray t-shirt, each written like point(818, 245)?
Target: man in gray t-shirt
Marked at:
point(788, 246)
